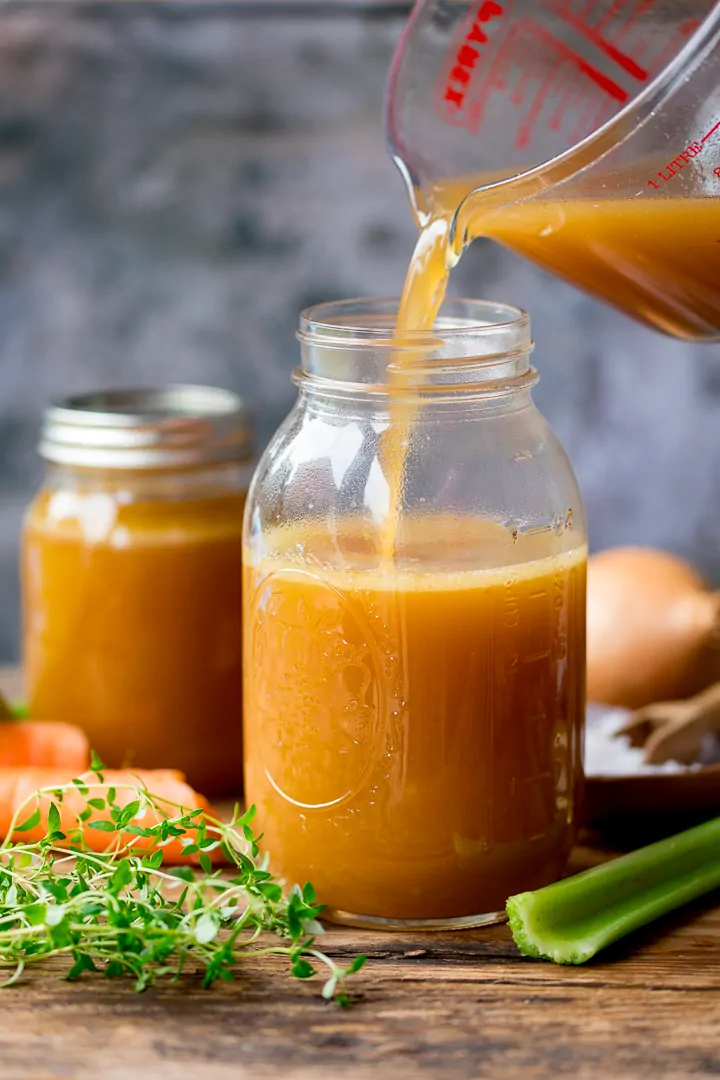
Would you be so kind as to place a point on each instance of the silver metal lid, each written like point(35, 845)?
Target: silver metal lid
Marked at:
point(168, 428)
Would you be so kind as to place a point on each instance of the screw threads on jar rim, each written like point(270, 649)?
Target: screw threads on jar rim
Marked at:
point(179, 426)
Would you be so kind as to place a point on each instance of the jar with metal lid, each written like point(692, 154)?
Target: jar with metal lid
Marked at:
point(414, 622)
point(131, 573)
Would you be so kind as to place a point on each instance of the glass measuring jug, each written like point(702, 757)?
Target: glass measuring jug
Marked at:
point(583, 134)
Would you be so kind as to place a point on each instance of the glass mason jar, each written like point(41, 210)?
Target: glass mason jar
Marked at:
point(132, 574)
point(414, 622)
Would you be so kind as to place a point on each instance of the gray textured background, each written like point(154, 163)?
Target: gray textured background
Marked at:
point(177, 181)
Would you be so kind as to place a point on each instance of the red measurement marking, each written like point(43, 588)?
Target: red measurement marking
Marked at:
point(526, 70)
point(583, 121)
point(710, 133)
point(567, 52)
point(641, 9)
point(591, 34)
point(558, 117)
point(496, 77)
point(501, 67)
point(591, 117)
point(615, 7)
point(605, 111)
point(525, 130)
point(684, 158)
point(674, 45)
point(469, 53)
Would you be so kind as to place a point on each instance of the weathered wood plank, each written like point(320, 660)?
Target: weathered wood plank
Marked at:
point(456, 1005)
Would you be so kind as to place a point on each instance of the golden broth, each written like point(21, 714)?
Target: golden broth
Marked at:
point(413, 740)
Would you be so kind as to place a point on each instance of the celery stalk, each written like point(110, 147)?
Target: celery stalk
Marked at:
point(572, 920)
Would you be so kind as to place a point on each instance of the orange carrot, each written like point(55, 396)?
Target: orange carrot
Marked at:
point(17, 785)
point(43, 744)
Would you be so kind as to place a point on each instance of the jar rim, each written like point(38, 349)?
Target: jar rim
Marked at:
point(459, 318)
point(175, 426)
point(475, 346)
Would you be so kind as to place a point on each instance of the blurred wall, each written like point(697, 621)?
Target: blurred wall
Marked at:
point(177, 181)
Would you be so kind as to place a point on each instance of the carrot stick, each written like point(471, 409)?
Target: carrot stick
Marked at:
point(43, 744)
point(19, 785)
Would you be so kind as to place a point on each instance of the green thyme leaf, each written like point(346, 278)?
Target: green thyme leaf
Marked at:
point(122, 912)
point(102, 825)
point(83, 962)
point(121, 878)
point(53, 822)
point(184, 873)
point(207, 927)
point(35, 914)
point(30, 823)
point(308, 893)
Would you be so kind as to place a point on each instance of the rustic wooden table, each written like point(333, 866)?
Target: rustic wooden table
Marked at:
point(456, 1005)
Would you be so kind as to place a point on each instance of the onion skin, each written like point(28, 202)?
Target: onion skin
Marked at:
point(653, 628)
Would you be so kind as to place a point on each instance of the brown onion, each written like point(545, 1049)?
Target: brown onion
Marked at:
point(653, 628)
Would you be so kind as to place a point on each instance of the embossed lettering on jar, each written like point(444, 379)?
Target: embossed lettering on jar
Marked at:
point(414, 622)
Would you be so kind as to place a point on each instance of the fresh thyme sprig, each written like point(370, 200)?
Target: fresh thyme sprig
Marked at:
point(123, 912)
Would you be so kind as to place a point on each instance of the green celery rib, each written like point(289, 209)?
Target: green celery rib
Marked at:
point(572, 920)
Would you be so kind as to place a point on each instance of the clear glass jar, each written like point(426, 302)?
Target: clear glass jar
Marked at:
point(414, 622)
point(132, 576)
